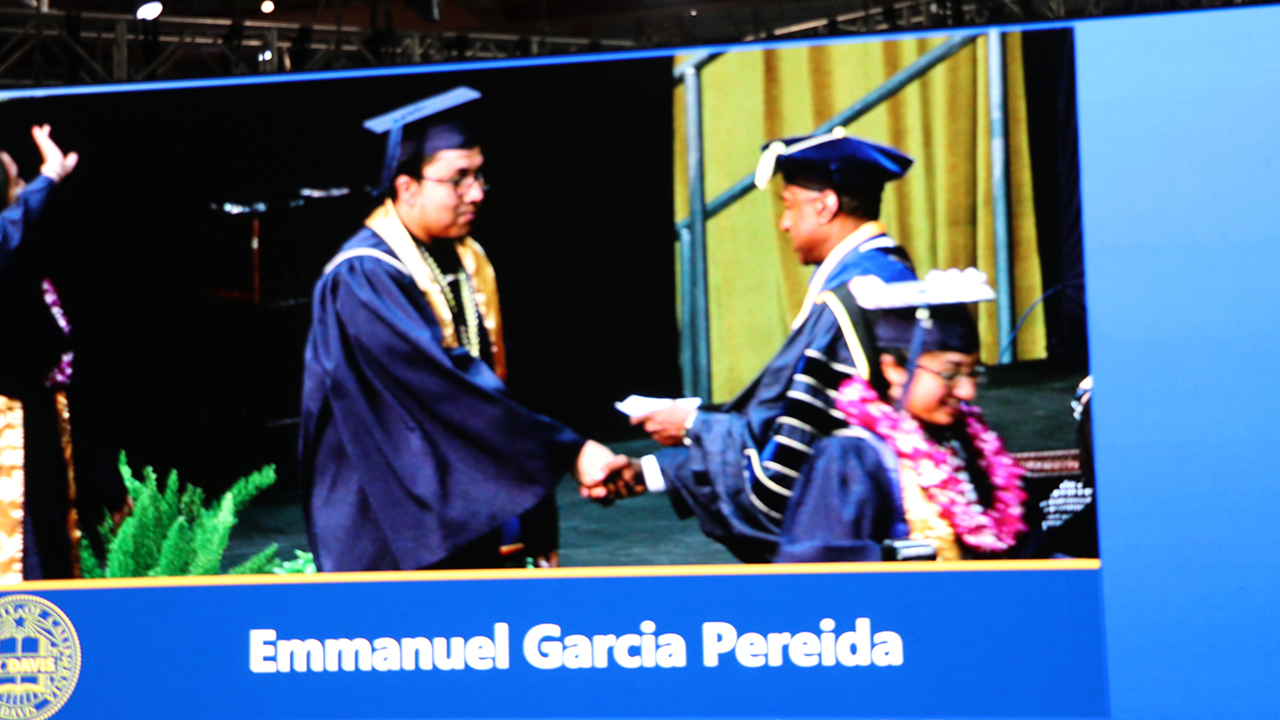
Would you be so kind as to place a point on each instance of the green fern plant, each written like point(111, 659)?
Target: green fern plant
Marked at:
point(170, 531)
point(303, 562)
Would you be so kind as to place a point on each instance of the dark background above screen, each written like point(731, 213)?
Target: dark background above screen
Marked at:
point(177, 365)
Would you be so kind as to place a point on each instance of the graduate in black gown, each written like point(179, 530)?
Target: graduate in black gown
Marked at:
point(411, 453)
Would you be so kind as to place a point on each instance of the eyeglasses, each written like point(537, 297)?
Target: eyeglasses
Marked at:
point(462, 184)
point(953, 375)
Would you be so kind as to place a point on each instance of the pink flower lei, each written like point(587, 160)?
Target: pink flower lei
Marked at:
point(935, 467)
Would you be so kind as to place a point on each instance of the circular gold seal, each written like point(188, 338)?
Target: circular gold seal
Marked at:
point(39, 658)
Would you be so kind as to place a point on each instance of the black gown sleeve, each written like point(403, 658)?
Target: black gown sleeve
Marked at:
point(410, 448)
point(844, 505)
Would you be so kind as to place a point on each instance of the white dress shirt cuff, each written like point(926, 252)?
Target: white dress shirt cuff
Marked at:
point(653, 480)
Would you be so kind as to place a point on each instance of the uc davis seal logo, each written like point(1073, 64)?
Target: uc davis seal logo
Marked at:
point(39, 657)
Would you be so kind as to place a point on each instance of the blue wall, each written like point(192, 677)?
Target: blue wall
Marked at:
point(1180, 162)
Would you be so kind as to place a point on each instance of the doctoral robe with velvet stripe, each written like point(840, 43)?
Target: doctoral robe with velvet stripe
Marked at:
point(845, 500)
point(408, 450)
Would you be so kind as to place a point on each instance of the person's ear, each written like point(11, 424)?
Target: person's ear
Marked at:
point(892, 371)
point(828, 205)
point(405, 188)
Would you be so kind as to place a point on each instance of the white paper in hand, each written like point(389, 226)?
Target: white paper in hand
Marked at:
point(637, 405)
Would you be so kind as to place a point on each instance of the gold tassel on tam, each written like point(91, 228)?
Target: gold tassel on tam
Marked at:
point(12, 486)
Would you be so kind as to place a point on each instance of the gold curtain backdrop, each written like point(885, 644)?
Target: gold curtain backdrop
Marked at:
point(941, 211)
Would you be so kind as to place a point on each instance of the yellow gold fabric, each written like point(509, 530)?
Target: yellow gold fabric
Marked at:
point(386, 223)
point(477, 265)
point(940, 212)
point(926, 522)
point(865, 232)
point(73, 516)
point(12, 490)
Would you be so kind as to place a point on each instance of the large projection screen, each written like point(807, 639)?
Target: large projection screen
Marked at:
point(1126, 189)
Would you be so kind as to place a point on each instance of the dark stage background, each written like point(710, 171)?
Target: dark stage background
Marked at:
point(176, 364)
point(1048, 63)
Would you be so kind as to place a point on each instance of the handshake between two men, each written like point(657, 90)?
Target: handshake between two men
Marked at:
point(605, 476)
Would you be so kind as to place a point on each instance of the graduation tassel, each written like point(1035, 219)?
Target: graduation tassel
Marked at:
point(924, 323)
point(392, 158)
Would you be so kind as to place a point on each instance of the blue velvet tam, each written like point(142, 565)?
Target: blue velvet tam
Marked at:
point(433, 137)
point(833, 160)
point(948, 328)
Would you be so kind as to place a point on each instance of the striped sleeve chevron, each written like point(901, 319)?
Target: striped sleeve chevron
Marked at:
point(808, 415)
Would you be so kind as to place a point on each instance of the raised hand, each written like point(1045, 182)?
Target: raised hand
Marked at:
point(55, 164)
point(16, 183)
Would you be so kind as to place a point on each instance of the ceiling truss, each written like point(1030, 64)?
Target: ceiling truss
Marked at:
point(43, 46)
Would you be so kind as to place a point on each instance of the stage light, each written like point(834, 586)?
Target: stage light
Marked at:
point(150, 11)
point(265, 55)
point(693, 13)
point(268, 6)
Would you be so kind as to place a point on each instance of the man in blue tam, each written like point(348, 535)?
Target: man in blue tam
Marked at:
point(855, 169)
point(411, 453)
point(832, 184)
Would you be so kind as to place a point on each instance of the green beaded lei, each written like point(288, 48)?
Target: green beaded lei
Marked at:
point(470, 311)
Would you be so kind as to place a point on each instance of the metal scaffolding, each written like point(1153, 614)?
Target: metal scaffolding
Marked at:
point(53, 47)
point(44, 46)
point(695, 331)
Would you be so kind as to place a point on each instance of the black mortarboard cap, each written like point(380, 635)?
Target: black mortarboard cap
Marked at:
point(921, 315)
point(946, 325)
point(948, 328)
point(422, 128)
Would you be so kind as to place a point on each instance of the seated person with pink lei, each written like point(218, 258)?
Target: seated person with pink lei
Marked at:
point(895, 464)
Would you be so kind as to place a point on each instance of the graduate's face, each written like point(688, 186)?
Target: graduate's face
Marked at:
point(442, 203)
point(805, 216)
point(943, 380)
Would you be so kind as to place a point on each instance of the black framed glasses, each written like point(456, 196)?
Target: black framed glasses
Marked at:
point(954, 374)
point(463, 184)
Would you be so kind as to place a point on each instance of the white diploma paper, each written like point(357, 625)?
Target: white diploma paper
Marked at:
point(637, 405)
